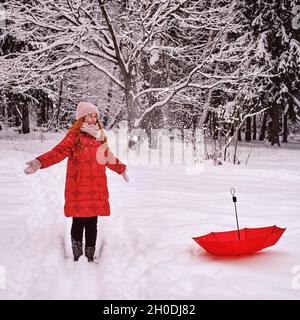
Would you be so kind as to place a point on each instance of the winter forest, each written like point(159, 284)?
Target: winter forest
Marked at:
point(227, 68)
point(220, 78)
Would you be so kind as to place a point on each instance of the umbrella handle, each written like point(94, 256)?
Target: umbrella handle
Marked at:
point(234, 199)
point(232, 191)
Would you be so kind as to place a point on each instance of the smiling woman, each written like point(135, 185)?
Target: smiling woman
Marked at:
point(86, 191)
point(91, 118)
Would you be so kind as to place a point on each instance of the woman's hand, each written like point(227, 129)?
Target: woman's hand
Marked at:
point(125, 176)
point(33, 166)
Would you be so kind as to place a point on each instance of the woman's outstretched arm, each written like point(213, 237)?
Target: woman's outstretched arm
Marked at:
point(106, 157)
point(59, 152)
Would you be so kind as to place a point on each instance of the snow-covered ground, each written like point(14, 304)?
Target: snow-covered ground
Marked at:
point(147, 247)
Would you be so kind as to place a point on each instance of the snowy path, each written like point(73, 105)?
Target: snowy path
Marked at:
point(147, 251)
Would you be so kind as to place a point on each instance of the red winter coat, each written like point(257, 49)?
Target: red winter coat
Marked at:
point(86, 192)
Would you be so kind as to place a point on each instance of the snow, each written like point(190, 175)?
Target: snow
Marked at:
point(154, 57)
point(147, 247)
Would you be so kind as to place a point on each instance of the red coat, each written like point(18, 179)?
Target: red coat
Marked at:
point(86, 192)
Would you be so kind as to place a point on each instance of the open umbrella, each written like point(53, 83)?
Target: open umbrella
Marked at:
point(240, 241)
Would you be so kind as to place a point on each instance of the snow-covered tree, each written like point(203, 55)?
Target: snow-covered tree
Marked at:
point(278, 50)
point(73, 34)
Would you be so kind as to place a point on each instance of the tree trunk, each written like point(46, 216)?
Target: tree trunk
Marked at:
point(9, 112)
point(41, 113)
point(17, 120)
point(215, 126)
point(239, 135)
point(285, 128)
point(3, 105)
point(59, 101)
point(131, 110)
point(263, 128)
point(248, 129)
point(254, 131)
point(25, 119)
point(108, 119)
point(275, 125)
point(195, 123)
point(17, 102)
point(129, 103)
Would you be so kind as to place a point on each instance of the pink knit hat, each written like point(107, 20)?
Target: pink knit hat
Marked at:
point(84, 108)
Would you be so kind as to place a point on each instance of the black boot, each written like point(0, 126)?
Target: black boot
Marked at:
point(77, 249)
point(89, 253)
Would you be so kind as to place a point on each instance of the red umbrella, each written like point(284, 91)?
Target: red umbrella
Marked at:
point(237, 242)
point(251, 240)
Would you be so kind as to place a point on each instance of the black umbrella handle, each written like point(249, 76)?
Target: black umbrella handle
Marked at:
point(234, 199)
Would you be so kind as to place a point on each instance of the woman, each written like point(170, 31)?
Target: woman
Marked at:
point(86, 191)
